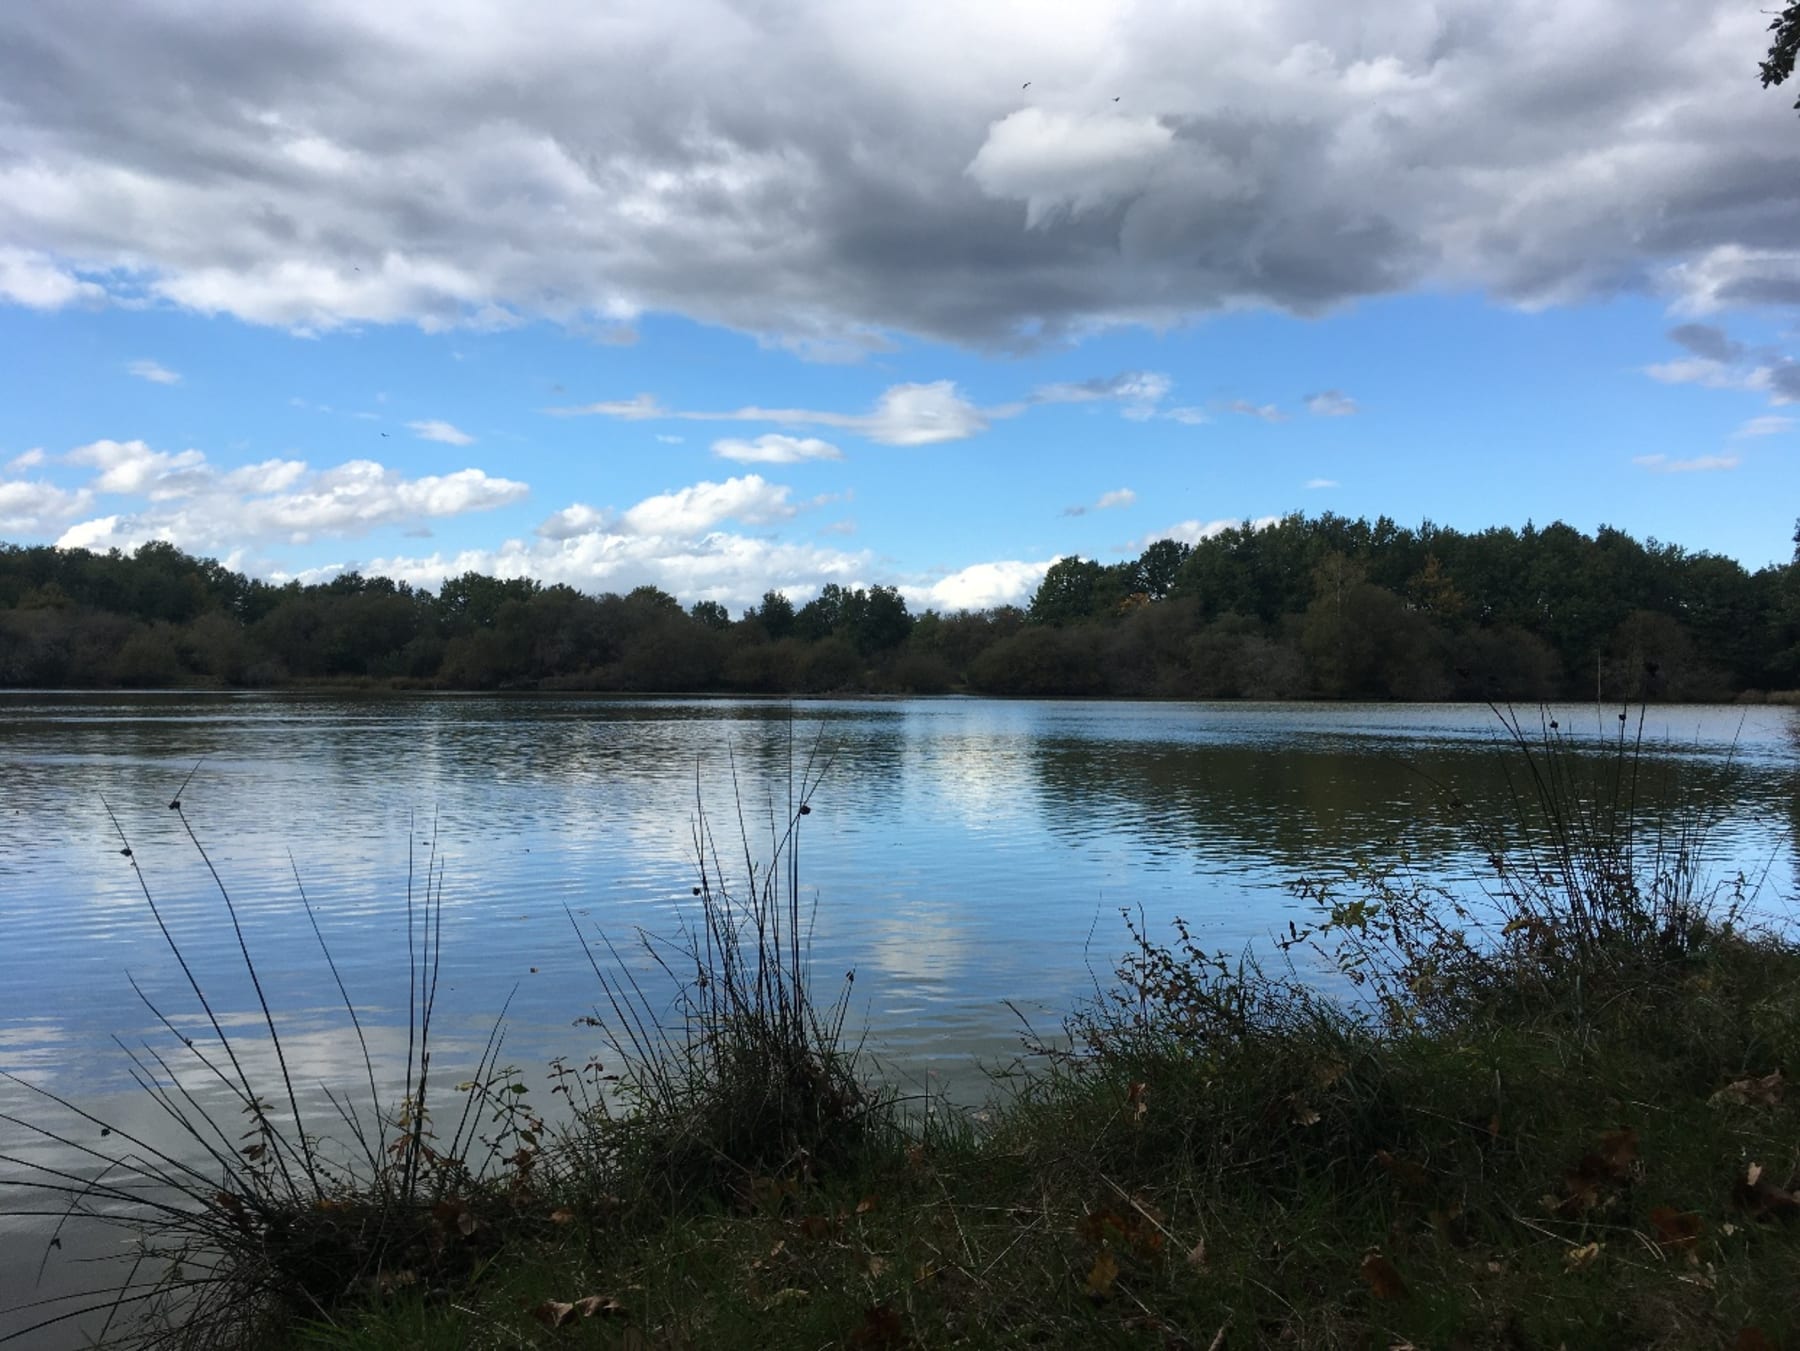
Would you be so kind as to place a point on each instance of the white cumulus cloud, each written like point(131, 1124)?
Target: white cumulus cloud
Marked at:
point(432, 429)
point(183, 498)
point(980, 586)
point(31, 508)
point(1193, 531)
point(775, 448)
point(37, 282)
point(696, 509)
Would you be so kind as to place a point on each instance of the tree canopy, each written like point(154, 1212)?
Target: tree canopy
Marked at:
point(1322, 606)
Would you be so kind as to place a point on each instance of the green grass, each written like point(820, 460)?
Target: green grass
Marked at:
point(1551, 1115)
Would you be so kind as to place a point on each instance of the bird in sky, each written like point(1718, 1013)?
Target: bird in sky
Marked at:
point(1026, 85)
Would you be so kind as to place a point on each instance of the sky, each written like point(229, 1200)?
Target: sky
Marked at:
point(723, 297)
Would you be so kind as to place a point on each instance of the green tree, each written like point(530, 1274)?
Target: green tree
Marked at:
point(1784, 45)
point(776, 615)
point(1072, 590)
point(709, 614)
point(1157, 567)
point(882, 622)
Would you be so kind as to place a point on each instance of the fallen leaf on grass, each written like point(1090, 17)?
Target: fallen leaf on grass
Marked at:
point(555, 1313)
point(1580, 1259)
point(1762, 1199)
point(1619, 1151)
point(1381, 1276)
point(562, 1215)
point(1405, 1172)
point(881, 1327)
point(1196, 1256)
point(1101, 1276)
point(864, 1206)
point(1677, 1230)
point(1588, 1184)
point(1753, 1092)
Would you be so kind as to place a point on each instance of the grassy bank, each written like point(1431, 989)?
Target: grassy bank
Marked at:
point(1551, 1114)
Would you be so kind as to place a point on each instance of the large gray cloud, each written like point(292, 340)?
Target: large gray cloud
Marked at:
point(820, 172)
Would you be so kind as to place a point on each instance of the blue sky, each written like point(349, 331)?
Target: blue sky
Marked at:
point(463, 306)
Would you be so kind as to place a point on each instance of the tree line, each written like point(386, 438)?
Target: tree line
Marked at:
point(1309, 607)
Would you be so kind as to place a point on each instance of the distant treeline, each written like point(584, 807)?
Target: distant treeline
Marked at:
point(1310, 607)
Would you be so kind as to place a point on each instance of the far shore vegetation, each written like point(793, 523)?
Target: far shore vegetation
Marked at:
point(1308, 607)
point(1552, 1111)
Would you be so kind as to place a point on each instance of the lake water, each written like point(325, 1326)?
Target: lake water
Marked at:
point(967, 856)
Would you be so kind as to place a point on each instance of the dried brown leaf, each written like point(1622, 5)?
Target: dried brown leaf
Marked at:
point(1619, 1151)
point(1677, 1230)
point(1196, 1256)
point(599, 1306)
point(562, 1215)
point(1407, 1173)
point(864, 1206)
point(1761, 1199)
point(553, 1313)
point(881, 1328)
point(1381, 1276)
point(1754, 1092)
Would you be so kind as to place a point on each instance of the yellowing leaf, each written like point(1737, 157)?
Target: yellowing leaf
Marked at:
point(1101, 1276)
point(1580, 1259)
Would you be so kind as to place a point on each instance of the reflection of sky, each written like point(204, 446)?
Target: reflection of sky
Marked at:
point(962, 852)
